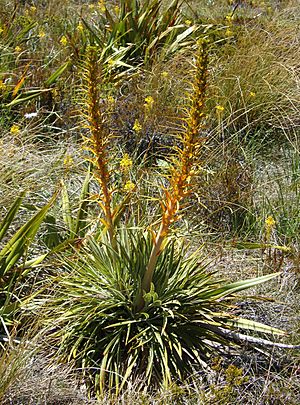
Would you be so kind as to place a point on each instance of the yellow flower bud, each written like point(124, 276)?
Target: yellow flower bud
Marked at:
point(137, 127)
point(126, 162)
point(68, 160)
point(15, 129)
point(149, 101)
point(220, 108)
point(129, 186)
point(80, 27)
point(2, 86)
point(63, 41)
point(270, 222)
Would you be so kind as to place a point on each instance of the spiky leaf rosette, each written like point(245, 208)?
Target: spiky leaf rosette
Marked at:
point(91, 319)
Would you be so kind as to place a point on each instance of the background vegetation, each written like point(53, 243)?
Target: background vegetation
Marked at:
point(149, 151)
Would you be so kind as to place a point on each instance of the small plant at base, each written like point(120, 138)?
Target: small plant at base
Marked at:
point(233, 378)
point(13, 363)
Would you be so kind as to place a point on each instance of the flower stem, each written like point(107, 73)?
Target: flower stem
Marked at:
point(182, 170)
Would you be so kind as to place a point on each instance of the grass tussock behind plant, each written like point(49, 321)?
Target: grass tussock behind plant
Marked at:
point(257, 79)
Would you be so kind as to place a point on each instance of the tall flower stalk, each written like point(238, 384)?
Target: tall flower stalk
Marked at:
point(98, 138)
point(183, 164)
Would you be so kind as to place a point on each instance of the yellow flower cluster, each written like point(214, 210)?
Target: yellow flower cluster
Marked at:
point(2, 86)
point(229, 19)
point(219, 108)
point(64, 40)
point(15, 129)
point(129, 186)
point(269, 226)
point(80, 27)
point(111, 101)
point(101, 5)
point(270, 222)
point(149, 101)
point(68, 160)
point(137, 127)
point(126, 162)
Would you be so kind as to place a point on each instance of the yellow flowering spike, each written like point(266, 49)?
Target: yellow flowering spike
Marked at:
point(1, 30)
point(129, 186)
point(18, 49)
point(2, 86)
point(111, 100)
point(33, 9)
point(80, 27)
point(270, 222)
point(126, 162)
point(252, 94)
point(137, 127)
point(269, 226)
point(41, 34)
point(101, 5)
point(68, 160)
point(229, 19)
point(149, 101)
point(188, 22)
point(183, 168)
point(165, 74)
point(15, 129)
point(63, 41)
point(219, 108)
point(98, 138)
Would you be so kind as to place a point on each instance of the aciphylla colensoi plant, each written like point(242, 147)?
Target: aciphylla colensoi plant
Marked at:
point(182, 167)
point(136, 304)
